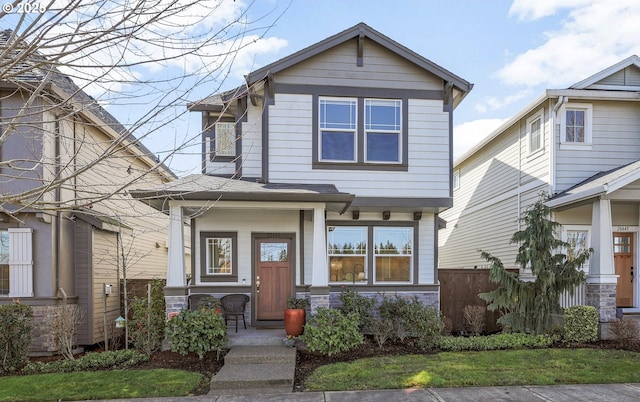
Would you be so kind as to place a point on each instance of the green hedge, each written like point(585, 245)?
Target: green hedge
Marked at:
point(494, 342)
point(580, 324)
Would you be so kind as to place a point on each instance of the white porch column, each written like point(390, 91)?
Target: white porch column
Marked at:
point(176, 268)
point(601, 239)
point(602, 280)
point(320, 274)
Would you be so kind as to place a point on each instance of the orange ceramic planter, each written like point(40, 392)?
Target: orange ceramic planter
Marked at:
point(294, 320)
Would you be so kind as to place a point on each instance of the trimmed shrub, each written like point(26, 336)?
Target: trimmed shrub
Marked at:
point(494, 342)
point(197, 331)
point(330, 332)
point(16, 322)
point(146, 326)
point(119, 359)
point(625, 330)
point(414, 319)
point(382, 330)
point(580, 324)
point(361, 306)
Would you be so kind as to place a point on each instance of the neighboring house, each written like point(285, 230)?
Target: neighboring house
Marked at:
point(326, 171)
point(70, 243)
point(581, 146)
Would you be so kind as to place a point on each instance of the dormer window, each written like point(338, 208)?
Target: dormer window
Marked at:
point(224, 143)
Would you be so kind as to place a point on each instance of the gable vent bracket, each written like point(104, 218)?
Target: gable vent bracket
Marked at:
point(360, 58)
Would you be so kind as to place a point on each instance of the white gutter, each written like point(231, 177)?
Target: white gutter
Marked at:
point(581, 196)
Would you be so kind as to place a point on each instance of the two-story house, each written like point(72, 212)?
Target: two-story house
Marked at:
point(327, 170)
point(68, 230)
point(581, 147)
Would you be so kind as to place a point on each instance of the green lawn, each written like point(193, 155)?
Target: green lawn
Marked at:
point(113, 384)
point(463, 369)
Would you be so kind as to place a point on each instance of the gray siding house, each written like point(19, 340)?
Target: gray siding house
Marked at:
point(327, 171)
point(60, 239)
point(581, 147)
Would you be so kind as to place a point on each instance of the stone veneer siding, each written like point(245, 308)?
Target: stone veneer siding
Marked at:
point(428, 298)
point(42, 340)
point(603, 298)
point(176, 303)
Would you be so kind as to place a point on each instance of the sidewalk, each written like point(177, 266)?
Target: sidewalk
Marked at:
point(555, 393)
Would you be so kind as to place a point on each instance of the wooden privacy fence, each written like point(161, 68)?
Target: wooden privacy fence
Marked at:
point(460, 288)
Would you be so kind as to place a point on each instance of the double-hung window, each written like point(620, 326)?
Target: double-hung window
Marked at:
point(534, 133)
point(219, 256)
point(576, 124)
point(382, 130)
point(338, 123)
point(577, 239)
point(362, 131)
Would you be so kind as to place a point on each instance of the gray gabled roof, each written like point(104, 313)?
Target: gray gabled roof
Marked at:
point(599, 184)
point(200, 187)
point(354, 32)
point(360, 29)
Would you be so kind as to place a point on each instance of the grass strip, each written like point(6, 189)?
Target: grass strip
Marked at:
point(491, 368)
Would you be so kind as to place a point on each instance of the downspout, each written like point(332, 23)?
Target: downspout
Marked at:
point(555, 129)
point(57, 192)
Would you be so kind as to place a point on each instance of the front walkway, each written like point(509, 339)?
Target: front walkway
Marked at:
point(254, 336)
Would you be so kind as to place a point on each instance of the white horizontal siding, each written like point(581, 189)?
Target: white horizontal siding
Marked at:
point(244, 222)
point(426, 248)
point(290, 152)
point(252, 142)
point(615, 142)
point(381, 69)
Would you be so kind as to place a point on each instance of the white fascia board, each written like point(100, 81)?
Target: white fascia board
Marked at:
point(573, 198)
point(622, 181)
point(594, 94)
point(517, 117)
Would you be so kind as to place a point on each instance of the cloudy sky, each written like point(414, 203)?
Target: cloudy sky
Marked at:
point(510, 50)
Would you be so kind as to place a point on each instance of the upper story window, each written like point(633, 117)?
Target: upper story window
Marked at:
point(575, 126)
point(224, 143)
point(338, 129)
point(361, 133)
point(382, 130)
point(535, 133)
point(456, 179)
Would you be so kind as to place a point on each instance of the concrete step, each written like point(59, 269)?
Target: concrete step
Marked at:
point(257, 370)
point(260, 354)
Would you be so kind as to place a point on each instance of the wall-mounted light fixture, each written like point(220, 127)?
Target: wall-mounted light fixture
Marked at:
point(386, 215)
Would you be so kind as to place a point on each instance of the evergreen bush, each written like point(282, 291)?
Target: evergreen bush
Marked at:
point(16, 322)
point(580, 324)
point(146, 326)
point(330, 332)
point(197, 331)
point(361, 306)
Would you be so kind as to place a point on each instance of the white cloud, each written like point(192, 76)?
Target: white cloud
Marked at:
point(468, 134)
point(596, 34)
point(494, 103)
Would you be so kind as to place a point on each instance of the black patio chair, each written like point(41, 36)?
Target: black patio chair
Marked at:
point(233, 306)
point(194, 300)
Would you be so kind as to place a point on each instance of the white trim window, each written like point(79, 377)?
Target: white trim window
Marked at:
point(225, 139)
point(575, 126)
point(535, 133)
point(382, 130)
point(579, 240)
point(456, 179)
point(338, 125)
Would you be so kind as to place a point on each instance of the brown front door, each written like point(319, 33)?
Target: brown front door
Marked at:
point(623, 261)
point(273, 278)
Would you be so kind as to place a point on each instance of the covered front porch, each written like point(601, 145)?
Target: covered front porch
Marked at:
point(603, 213)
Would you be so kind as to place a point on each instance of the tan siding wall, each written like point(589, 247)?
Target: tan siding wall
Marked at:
point(105, 271)
point(382, 69)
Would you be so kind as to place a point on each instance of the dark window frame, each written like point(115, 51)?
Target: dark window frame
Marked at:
point(210, 138)
point(233, 276)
